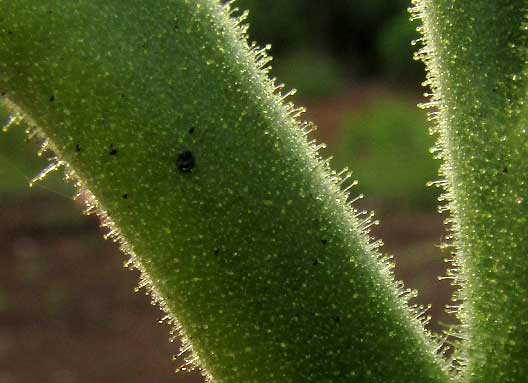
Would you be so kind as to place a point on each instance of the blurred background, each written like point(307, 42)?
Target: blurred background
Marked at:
point(68, 310)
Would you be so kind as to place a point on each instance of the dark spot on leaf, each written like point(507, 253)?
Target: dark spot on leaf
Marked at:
point(337, 319)
point(52, 98)
point(315, 262)
point(191, 131)
point(77, 148)
point(324, 241)
point(216, 251)
point(9, 32)
point(125, 196)
point(186, 161)
point(505, 169)
point(113, 150)
point(3, 93)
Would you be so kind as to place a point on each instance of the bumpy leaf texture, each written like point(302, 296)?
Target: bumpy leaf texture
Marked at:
point(476, 51)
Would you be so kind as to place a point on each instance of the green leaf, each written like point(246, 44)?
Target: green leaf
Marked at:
point(476, 52)
point(241, 231)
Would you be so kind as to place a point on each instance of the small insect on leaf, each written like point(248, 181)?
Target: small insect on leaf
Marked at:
point(186, 161)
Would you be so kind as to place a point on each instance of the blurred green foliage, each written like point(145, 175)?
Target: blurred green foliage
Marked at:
point(386, 146)
point(354, 32)
point(395, 49)
point(313, 73)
